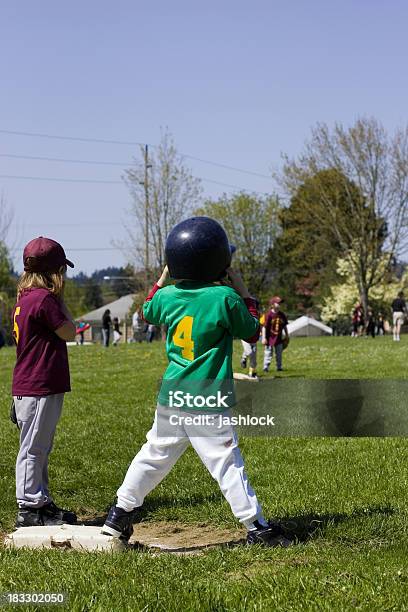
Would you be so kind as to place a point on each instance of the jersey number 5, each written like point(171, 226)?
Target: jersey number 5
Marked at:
point(183, 337)
point(16, 331)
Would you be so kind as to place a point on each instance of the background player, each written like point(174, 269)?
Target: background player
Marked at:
point(272, 334)
point(203, 316)
point(41, 327)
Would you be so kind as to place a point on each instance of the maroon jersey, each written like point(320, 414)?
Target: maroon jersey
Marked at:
point(274, 324)
point(42, 358)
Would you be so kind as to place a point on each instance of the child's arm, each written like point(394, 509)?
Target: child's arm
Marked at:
point(148, 311)
point(67, 331)
point(242, 321)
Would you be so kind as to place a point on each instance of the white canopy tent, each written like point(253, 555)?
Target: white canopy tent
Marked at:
point(306, 326)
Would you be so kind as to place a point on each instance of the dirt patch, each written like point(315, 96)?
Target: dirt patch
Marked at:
point(181, 538)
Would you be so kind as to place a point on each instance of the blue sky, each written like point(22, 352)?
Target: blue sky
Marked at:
point(235, 82)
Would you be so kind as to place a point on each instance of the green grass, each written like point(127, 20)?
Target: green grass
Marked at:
point(348, 496)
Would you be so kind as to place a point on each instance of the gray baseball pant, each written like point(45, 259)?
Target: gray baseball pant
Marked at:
point(37, 419)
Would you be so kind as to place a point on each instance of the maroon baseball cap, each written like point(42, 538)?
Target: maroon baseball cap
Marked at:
point(44, 255)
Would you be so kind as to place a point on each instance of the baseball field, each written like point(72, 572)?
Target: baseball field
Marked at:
point(345, 499)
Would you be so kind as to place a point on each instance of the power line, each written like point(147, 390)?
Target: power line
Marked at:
point(72, 138)
point(59, 179)
point(131, 143)
point(112, 182)
point(64, 160)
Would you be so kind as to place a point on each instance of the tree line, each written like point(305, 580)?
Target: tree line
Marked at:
point(338, 234)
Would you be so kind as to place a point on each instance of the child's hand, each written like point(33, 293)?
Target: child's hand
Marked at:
point(164, 276)
point(237, 283)
point(264, 341)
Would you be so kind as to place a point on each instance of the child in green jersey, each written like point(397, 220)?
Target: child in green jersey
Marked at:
point(202, 318)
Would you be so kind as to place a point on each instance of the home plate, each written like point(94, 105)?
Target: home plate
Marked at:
point(76, 537)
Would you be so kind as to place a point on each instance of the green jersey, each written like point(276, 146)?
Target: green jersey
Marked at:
point(201, 319)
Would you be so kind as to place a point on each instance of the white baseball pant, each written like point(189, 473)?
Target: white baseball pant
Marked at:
point(219, 453)
point(249, 352)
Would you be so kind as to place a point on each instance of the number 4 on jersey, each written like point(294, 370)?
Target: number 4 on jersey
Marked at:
point(183, 337)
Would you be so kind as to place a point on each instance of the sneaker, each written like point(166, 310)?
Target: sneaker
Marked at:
point(51, 511)
point(266, 370)
point(271, 535)
point(33, 517)
point(279, 369)
point(119, 523)
point(243, 363)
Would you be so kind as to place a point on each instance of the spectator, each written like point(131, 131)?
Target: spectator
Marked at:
point(150, 333)
point(399, 310)
point(80, 331)
point(106, 325)
point(357, 320)
point(370, 328)
point(137, 325)
point(116, 331)
point(380, 324)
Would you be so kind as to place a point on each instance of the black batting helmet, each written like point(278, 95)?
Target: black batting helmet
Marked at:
point(198, 249)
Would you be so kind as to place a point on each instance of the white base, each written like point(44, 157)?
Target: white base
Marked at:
point(77, 537)
point(240, 376)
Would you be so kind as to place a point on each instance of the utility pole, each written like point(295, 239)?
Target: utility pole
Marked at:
point(146, 189)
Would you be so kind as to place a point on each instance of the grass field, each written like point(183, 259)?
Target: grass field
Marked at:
point(347, 496)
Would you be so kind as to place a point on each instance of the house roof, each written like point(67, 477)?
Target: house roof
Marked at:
point(302, 323)
point(119, 308)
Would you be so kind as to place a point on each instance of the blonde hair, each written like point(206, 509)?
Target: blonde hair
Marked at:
point(54, 282)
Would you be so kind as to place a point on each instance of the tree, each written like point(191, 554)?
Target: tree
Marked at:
point(6, 218)
point(343, 295)
point(377, 165)
point(251, 223)
point(305, 253)
point(163, 192)
point(93, 295)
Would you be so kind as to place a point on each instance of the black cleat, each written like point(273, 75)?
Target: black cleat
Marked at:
point(51, 512)
point(33, 517)
point(272, 535)
point(119, 523)
point(243, 363)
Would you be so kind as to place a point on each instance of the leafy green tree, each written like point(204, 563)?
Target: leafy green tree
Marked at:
point(252, 224)
point(305, 253)
point(93, 295)
point(376, 163)
point(343, 294)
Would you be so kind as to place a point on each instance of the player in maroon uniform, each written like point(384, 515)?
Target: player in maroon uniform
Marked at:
point(41, 327)
point(272, 334)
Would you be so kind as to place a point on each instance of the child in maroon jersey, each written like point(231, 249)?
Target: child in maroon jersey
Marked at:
point(272, 337)
point(41, 327)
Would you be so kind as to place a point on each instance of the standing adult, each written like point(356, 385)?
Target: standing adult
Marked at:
point(106, 325)
point(399, 310)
